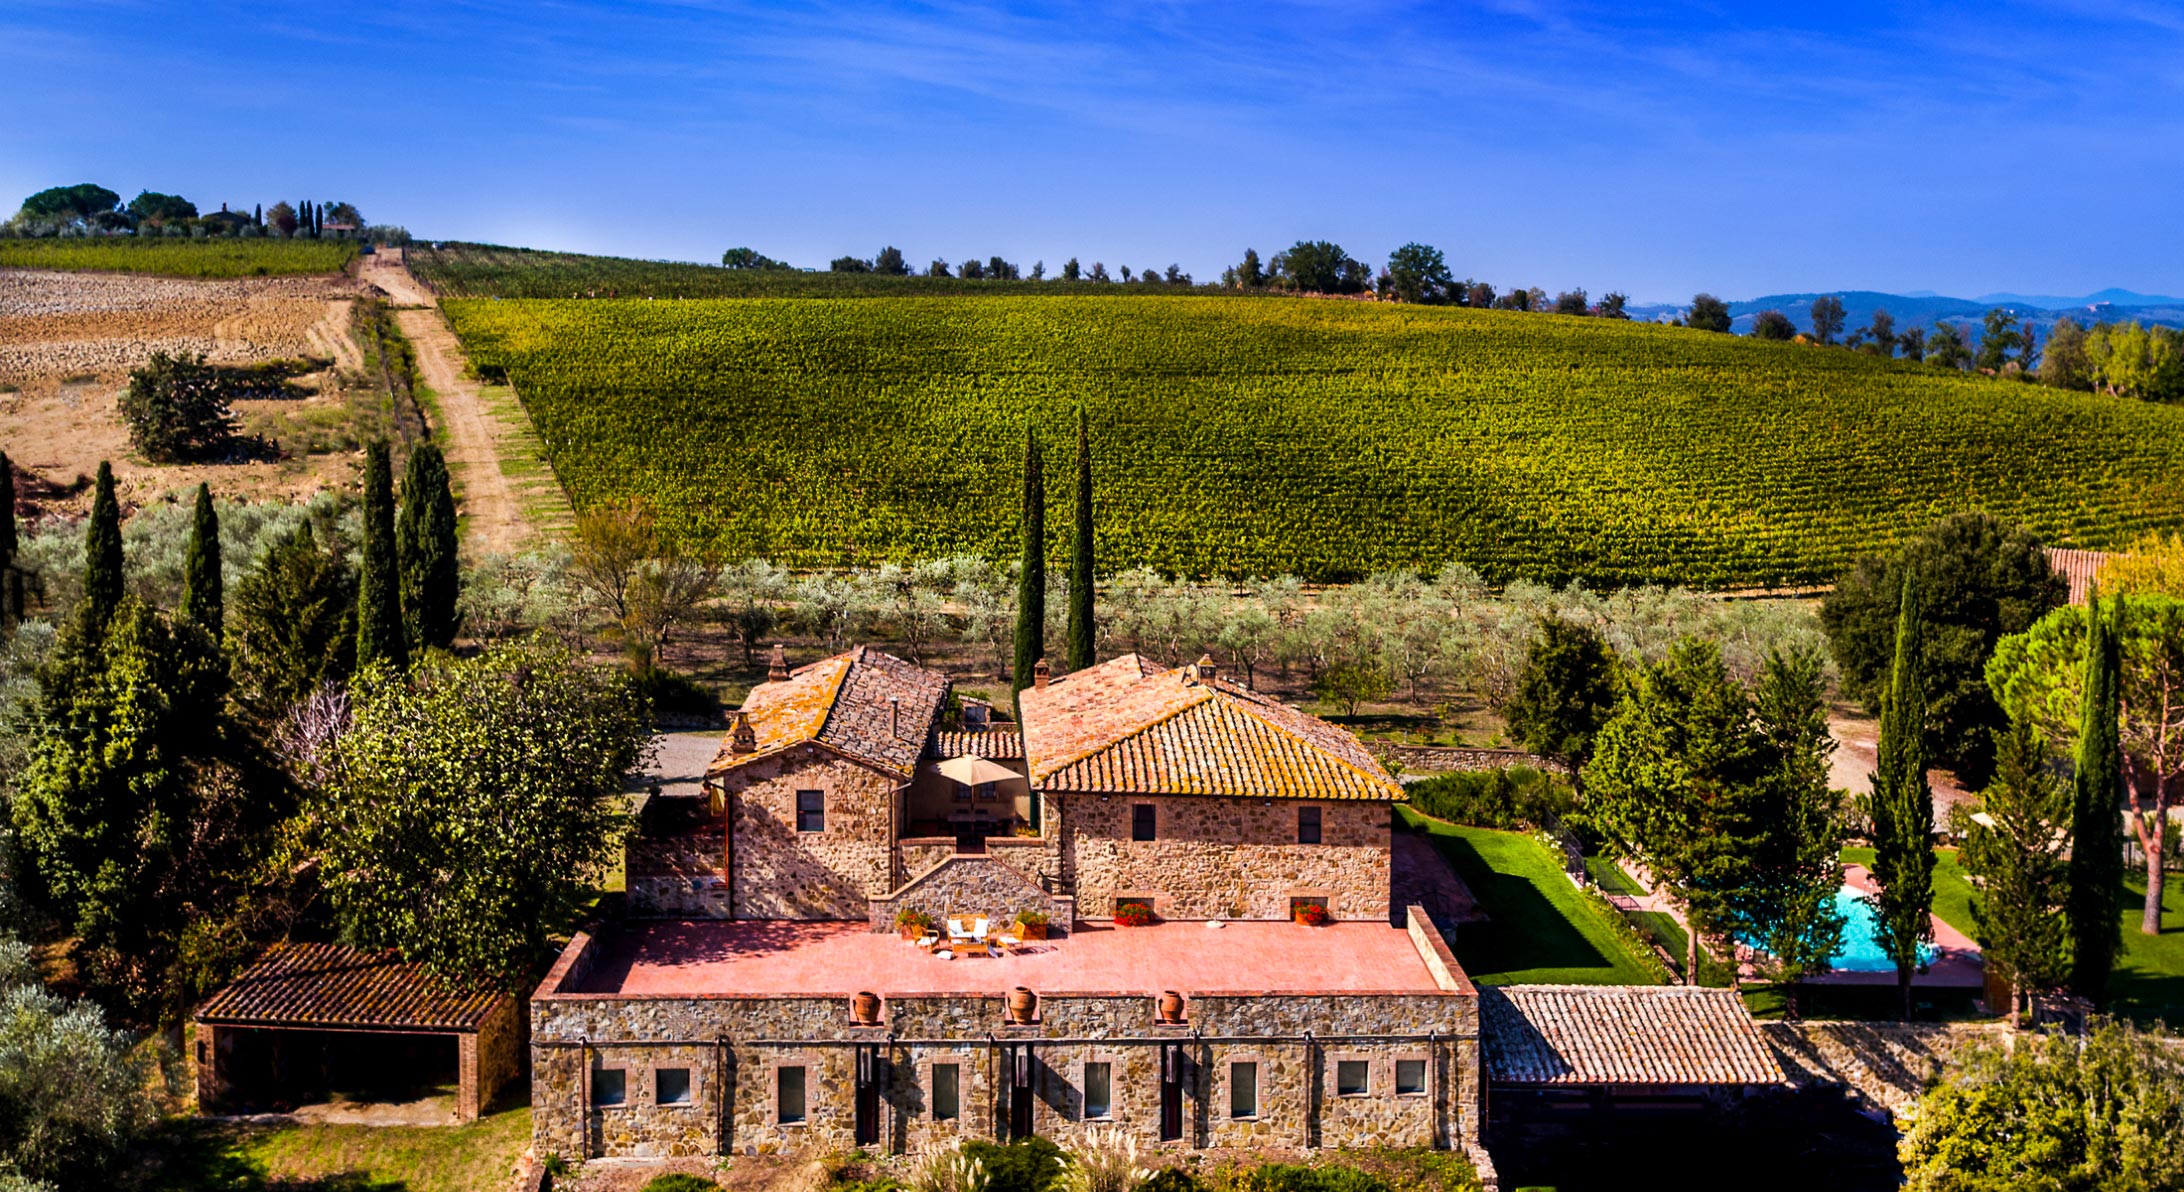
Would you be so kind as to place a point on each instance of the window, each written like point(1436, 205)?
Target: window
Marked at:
point(609, 1086)
point(811, 811)
point(1410, 1077)
point(1141, 821)
point(947, 1091)
point(1353, 1078)
point(789, 1096)
point(1308, 825)
point(1243, 1090)
point(671, 1086)
point(1099, 1098)
point(985, 792)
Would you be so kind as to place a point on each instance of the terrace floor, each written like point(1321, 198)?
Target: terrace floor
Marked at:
point(681, 958)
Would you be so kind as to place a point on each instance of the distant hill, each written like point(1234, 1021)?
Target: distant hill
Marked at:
point(1924, 309)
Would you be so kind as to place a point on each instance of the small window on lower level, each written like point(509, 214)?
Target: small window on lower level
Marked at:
point(947, 1091)
point(1410, 1077)
point(1243, 1090)
point(609, 1086)
point(671, 1086)
point(789, 1096)
point(1099, 1090)
point(1353, 1078)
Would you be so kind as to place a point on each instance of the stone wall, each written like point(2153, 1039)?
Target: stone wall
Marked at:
point(677, 877)
point(1886, 1063)
point(1436, 759)
point(735, 1047)
point(966, 885)
point(499, 1049)
point(1226, 858)
point(777, 872)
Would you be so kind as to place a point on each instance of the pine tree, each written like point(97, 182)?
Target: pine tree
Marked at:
point(425, 537)
point(1081, 574)
point(1031, 584)
point(102, 576)
point(379, 635)
point(11, 587)
point(2096, 854)
point(204, 594)
point(2016, 850)
point(1902, 808)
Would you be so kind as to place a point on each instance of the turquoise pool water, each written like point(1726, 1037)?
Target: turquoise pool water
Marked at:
point(1860, 954)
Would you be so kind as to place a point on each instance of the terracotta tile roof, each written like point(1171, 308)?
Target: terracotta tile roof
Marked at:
point(328, 985)
point(1129, 726)
point(1621, 1034)
point(1004, 744)
point(868, 706)
point(2078, 567)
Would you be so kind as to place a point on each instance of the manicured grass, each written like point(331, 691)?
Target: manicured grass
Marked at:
point(207, 1156)
point(1952, 889)
point(1541, 932)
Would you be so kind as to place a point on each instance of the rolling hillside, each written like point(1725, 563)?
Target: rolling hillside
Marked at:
point(1329, 439)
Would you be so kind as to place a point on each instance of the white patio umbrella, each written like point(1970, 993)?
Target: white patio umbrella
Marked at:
point(971, 771)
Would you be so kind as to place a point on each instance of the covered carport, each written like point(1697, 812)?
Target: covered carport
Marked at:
point(313, 1022)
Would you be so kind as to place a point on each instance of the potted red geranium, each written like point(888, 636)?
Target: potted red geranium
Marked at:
point(1134, 914)
point(1312, 914)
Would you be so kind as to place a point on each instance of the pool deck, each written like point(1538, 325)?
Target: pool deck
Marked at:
point(683, 958)
point(1956, 965)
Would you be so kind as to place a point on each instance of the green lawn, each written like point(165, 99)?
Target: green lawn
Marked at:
point(1541, 932)
point(1952, 890)
point(205, 1156)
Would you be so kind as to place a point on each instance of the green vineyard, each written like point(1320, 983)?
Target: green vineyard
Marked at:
point(1326, 439)
point(180, 256)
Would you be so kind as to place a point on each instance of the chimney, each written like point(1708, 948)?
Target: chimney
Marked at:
point(777, 668)
point(1040, 673)
point(740, 737)
point(894, 716)
point(1204, 668)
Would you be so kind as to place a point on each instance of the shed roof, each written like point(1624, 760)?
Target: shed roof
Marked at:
point(334, 987)
point(1621, 1034)
point(1000, 744)
point(866, 705)
point(1129, 726)
point(2078, 569)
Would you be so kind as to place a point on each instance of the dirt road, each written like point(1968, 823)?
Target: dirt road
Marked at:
point(473, 438)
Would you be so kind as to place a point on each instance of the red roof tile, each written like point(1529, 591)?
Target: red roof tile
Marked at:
point(328, 985)
point(1621, 1034)
point(1005, 744)
point(865, 705)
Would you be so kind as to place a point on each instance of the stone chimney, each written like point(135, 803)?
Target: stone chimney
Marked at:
point(1204, 668)
point(1040, 673)
point(777, 668)
point(740, 737)
point(977, 713)
point(894, 716)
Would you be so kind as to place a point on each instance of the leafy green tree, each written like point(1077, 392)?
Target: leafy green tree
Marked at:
point(203, 594)
point(473, 805)
point(1319, 267)
point(1250, 274)
point(849, 265)
point(1573, 302)
point(425, 544)
point(294, 623)
point(1881, 333)
point(73, 1100)
point(2102, 1112)
point(2067, 364)
point(102, 573)
point(177, 408)
point(1980, 580)
point(2130, 360)
point(1947, 348)
point(1612, 304)
point(379, 633)
point(1082, 584)
point(1416, 273)
point(1351, 683)
point(1070, 270)
point(1773, 325)
point(2015, 846)
point(1708, 313)
point(939, 268)
point(1478, 295)
point(1673, 782)
point(1901, 808)
point(79, 202)
point(1827, 318)
point(1788, 908)
point(1913, 343)
point(11, 580)
point(1031, 581)
point(155, 208)
point(1565, 694)
point(749, 258)
point(282, 218)
point(2001, 338)
point(890, 262)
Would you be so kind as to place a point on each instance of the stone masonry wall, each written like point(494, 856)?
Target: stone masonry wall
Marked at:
point(966, 885)
point(1226, 858)
point(678, 877)
point(1886, 1063)
point(778, 872)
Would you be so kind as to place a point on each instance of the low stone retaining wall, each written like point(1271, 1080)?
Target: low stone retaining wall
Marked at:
point(1441, 759)
point(1888, 1064)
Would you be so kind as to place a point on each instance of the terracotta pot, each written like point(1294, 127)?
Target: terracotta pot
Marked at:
point(865, 1008)
point(1033, 931)
point(1171, 1006)
point(1023, 1004)
point(912, 933)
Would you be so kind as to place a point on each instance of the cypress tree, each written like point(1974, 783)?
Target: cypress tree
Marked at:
point(102, 579)
point(2096, 852)
point(257, 215)
point(1903, 807)
point(425, 538)
point(379, 635)
point(11, 588)
point(1081, 575)
point(204, 594)
point(1031, 589)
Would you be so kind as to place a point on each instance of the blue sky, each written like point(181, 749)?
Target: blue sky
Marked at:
point(1657, 149)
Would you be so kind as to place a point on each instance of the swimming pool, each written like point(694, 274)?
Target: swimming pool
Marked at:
point(1860, 953)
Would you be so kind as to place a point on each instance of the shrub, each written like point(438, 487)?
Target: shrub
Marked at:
point(177, 408)
point(1312, 914)
point(671, 694)
point(1026, 1165)
point(679, 1181)
point(1512, 798)
point(1032, 918)
point(1107, 1162)
point(911, 916)
point(1133, 914)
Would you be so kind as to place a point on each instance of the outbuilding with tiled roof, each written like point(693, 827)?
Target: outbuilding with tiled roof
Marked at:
point(1628, 1036)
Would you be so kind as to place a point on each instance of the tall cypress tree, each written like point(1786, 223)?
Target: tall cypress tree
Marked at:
point(425, 538)
point(1903, 808)
point(1081, 575)
point(102, 578)
point(11, 587)
point(2096, 852)
point(204, 591)
point(379, 635)
point(1031, 589)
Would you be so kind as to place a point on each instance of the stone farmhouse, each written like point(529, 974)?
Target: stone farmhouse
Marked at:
point(758, 997)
